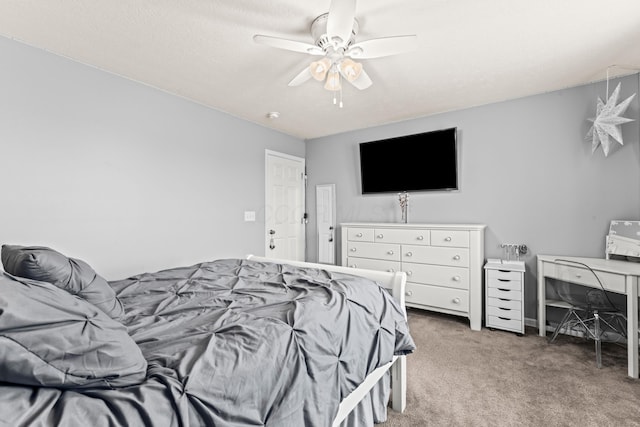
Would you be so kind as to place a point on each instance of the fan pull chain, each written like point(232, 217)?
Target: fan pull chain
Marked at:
point(340, 96)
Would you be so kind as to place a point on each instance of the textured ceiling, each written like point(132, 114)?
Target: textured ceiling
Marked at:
point(469, 52)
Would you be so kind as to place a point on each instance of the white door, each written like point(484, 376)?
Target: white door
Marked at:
point(326, 221)
point(284, 207)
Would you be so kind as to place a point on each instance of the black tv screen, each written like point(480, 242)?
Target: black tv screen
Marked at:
point(421, 162)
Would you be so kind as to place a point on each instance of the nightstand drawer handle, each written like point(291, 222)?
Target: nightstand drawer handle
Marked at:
point(408, 293)
point(456, 258)
point(380, 236)
point(359, 235)
point(409, 273)
point(353, 249)
point(456, 278)
point(420, 237)
point(391, 270)
point(353, 266)
point(390, 252)
point(447, 239)
point(409, 253)
point(456, 301)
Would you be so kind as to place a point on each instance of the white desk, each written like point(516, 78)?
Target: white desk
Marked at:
point(616, 276)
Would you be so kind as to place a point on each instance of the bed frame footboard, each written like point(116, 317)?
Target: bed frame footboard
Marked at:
point(395, 282)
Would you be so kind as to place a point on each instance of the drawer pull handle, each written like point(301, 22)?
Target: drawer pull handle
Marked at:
point(390, 252)
point(353, 266)
point(456, 300)
point(456, 278)
point(447, 239)
point(408, 293)
point(456, 258)
point(505, 309)
point(505, 271)
point(504, 290)
point(409, 273)
point(503, 318)
point(391, 270)
point(578, 275)
point(504, 280)
point(504, 299)
point(409, 254)
point(420, 237)
point(353, 249)
point(359, 235)
point(380, 236)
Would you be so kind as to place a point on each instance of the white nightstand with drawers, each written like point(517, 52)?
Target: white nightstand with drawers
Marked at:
point(504, 295)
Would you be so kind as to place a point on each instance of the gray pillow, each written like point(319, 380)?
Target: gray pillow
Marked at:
point(73, 275)
point(51, 338)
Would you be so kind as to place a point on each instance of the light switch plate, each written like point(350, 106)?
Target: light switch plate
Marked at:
point(249, 216)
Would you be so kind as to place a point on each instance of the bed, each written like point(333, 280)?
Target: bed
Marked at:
point(230, 342)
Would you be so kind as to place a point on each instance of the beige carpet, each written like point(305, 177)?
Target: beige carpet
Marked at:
point(458, 377)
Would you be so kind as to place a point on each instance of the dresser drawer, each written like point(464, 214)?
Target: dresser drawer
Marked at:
point(504, 313)
point(455, 257)
point(504, 294)
point(360, 234)
point(412, 237)
point(504, 284)
point(508, 324)
point(505, 275)
point(504, 303)
point(450, 277)
point(373, 264)
point(381, 251)
point(582, 276)
point(436, 296)
point(452, 238)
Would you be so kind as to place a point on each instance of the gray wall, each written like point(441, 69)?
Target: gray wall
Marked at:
point(526, 171)
point(122, 175)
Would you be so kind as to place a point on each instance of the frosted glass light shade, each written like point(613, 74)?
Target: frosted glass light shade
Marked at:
point(351, 69)
point(333, 81)
point(320, 68)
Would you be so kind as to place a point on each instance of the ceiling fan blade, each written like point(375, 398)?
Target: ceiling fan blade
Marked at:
point(302, 77)
point(362, 82)
point(286, 44)
point(340, 19)
point(384, 46)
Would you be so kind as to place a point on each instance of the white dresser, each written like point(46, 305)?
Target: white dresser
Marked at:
point(504, 294)
point(443, 262)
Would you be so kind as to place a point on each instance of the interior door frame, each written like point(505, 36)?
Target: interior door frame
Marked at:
point(332, 189)
point(302, 160)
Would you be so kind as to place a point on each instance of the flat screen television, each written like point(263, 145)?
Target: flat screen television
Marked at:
point(421, 162)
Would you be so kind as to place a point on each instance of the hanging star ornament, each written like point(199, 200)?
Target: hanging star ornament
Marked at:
point(606, 124)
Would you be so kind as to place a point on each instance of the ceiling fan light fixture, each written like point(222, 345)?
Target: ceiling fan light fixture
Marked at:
point(320, 68)
point(333, 80)
point(351, 70)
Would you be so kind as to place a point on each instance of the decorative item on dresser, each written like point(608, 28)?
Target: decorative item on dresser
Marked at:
point(504, 295)
point(443, 262)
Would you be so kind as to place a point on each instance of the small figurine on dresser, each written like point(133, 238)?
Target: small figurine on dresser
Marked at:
point(403, 198)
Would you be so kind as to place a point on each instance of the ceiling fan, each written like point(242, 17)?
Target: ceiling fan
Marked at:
point(334, 36)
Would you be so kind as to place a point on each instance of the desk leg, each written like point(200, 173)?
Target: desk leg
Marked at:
point(632, 325)
point(542, 300)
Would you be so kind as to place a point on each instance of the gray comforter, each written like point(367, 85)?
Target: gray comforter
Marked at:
point(232, 343)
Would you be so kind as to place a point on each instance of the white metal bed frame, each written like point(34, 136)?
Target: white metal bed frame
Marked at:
point(395, 282)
